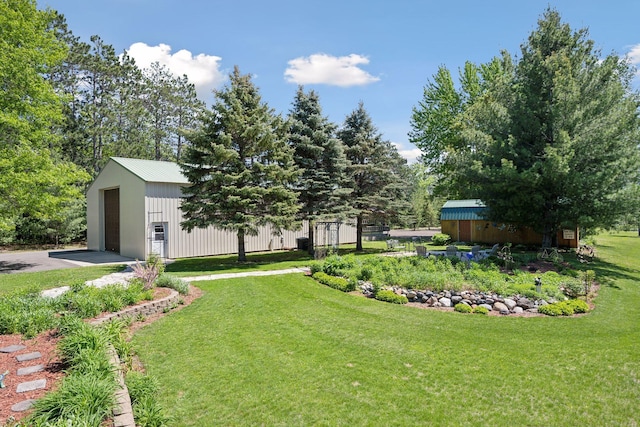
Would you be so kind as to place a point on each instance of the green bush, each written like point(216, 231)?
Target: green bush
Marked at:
point(481, 310)
point(550, 310)
point(390, 296)
point(339, 283)
point(336, 265)
point(578, 305)
point(564, 308)
point(440, 239)
point(463, 308)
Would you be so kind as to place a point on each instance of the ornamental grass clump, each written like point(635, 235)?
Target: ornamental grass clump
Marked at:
point(85, 396)
point(143, 390)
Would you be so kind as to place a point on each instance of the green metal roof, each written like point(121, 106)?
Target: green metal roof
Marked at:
point(153, 170)
point(471, 209)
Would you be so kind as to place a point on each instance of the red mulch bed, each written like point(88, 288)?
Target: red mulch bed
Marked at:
point(46, 344)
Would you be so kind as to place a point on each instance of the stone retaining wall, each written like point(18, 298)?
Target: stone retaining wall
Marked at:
point(123, 412)
point(146, 309)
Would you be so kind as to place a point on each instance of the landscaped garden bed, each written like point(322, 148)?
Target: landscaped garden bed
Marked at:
point(40, 325)
point(441, 282)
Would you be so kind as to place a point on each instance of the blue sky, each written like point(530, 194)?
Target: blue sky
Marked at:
point(379, 52)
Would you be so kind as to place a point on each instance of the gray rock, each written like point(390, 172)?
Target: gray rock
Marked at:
point(411, 295)
point(487, 306)
point(511, 304)
point(445, 302)
point(499, 306)
point(456, 299)
point(489, 301)
point(517, 310)
point(525, 303)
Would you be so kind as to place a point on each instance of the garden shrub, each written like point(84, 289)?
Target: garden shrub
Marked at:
point(440, 239)
point(550, 310)
point(462, 308)
point(336, 265)
point(578, 305)
point(481, 310)
point(564, 308)
point(172, 282)
point(390, 296)
point(339, 283)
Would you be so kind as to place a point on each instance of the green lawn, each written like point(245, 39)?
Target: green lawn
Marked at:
point(284, 350)
point(53, 278)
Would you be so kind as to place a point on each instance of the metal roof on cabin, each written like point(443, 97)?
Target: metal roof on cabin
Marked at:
point(153, 170)
point(469, 203)
point(463, 210)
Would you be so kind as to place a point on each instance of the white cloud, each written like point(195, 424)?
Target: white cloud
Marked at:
point(321, 68)
point(634, 55)
point(411, 154)
point(202, 70)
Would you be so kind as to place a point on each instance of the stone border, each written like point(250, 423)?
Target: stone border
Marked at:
point(146, 309)
point(123, 412)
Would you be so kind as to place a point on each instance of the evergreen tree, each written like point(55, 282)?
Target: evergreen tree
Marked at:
point(375, 172)
point(323, 183)
point(240, 166)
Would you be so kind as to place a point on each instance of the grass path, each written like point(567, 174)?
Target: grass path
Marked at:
point(284, 350)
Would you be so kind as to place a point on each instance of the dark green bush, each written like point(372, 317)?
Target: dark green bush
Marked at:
point(336, 265)
point(339, 283)
point(463, 308)
point(390, 296)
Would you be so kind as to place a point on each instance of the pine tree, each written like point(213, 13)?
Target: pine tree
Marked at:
point(375, 172)
point(323, 182)
point(240, 166)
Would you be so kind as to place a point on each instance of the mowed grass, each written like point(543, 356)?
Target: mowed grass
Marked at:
point(284, 350)
point(53, 278)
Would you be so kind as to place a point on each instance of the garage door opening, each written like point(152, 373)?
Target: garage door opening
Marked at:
point(112, 220)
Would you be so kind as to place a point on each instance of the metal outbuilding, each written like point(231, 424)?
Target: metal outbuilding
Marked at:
point(133, 208)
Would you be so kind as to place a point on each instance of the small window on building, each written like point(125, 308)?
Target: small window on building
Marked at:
point(158, 232)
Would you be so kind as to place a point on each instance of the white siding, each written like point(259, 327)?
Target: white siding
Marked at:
point(145, 203)
point(162, 206)
point(132, 221)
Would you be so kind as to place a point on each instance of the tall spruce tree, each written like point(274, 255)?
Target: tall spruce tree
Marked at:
point(375, 172)
point(323, 183)
point(240, 166)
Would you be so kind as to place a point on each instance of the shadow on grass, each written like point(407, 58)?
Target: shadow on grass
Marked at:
point(254, 260)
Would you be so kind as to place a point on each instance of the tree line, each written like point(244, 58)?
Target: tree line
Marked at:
point(69, 105)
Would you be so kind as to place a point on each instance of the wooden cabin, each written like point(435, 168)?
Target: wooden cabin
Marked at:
point(464, 221)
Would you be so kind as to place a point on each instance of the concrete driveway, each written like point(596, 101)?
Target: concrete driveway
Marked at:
point(20, 262)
